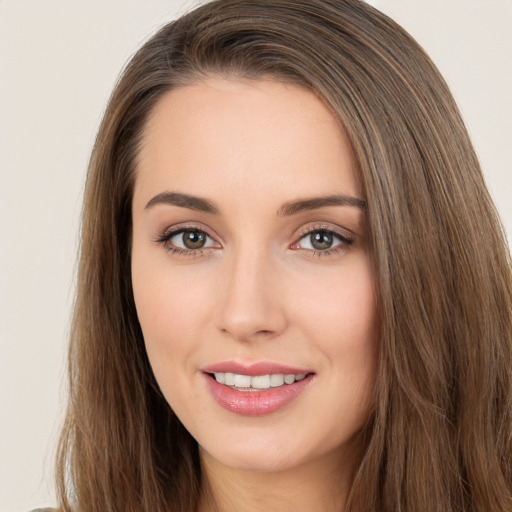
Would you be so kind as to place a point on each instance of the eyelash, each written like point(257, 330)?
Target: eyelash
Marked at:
point(345, 241)
point(166, 236)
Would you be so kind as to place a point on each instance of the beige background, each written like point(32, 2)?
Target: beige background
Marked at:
point(58, 63)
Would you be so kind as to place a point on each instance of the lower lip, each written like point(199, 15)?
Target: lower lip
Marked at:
point(256, 403)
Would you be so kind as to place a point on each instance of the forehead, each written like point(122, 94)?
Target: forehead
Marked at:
point(238, 136)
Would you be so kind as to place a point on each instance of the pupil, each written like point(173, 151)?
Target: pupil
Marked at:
point(321, 240)
point(194, 239)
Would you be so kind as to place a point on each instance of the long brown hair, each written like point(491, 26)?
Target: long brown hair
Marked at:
point(440, 437)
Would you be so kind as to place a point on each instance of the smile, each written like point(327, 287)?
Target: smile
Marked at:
point(256, 389)
point(256, 382)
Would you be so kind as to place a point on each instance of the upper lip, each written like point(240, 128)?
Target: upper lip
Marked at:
point(253, 369)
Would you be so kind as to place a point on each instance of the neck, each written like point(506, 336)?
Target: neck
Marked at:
point(321, 484)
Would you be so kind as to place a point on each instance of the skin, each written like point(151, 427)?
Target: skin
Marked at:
point(258, 290)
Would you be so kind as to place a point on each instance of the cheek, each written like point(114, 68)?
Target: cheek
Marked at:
point(172, 307)
point(163, 295)
point(341, 308)
point(161, 317)
point(343, 321)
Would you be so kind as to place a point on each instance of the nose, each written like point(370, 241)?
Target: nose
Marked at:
point(251, 305)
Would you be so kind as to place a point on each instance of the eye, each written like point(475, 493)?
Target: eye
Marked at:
point(186, 241)
point(322, 240)
point(190, 239)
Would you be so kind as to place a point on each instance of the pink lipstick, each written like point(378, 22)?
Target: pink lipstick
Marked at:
point(255, 389)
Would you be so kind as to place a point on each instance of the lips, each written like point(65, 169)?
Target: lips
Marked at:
point(256, 389)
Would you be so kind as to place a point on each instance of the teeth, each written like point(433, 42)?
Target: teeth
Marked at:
point(258, 381)
point(242, 381)
point(276, 380)
point(289, 379)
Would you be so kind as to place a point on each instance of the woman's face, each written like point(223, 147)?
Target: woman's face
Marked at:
point(251, 273)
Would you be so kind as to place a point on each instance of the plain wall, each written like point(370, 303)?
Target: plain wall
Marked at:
point(58, 63)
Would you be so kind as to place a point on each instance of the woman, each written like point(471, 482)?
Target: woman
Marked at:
point(293, 286)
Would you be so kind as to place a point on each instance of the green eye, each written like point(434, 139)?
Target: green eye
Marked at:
point(322, 240)
point(193, 239)
point(190, 239)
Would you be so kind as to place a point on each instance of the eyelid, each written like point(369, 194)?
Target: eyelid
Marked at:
point(345, 235)
point(325, 226)
point(171, 231)
point(185, 226)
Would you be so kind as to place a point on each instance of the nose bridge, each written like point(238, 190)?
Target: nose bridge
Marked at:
point(251, 305)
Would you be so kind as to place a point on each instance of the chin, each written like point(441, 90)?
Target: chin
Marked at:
point(258, 457)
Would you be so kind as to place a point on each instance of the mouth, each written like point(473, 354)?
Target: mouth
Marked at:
point(257, 389)
point(255, 383)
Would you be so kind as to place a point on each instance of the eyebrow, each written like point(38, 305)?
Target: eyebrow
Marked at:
point(302, 205)
point(184, 201)
point(291, 208)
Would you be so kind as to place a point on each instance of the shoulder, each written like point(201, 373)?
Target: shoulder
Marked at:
point(44, 510)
